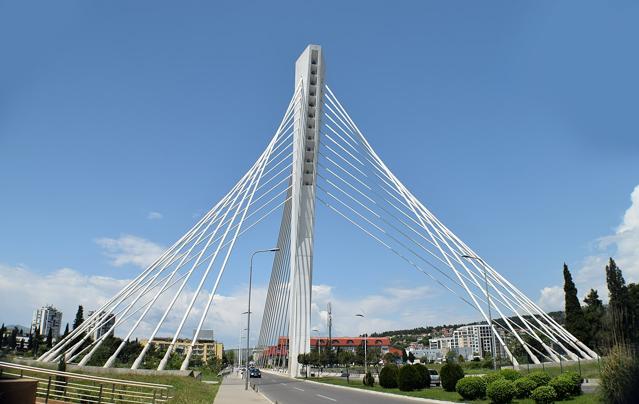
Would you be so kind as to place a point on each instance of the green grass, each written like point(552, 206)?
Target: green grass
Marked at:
point(439, 394)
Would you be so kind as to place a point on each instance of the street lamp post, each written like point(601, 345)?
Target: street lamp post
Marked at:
point(490, 317)
point(248, 312)
point(365, 346)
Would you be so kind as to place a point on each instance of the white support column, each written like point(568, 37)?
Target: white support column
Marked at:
point(309, 71)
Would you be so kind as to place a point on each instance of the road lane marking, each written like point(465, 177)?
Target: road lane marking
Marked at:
point(297, 388)
point(328, 398)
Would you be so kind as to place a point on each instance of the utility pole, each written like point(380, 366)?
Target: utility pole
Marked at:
point(329, 320)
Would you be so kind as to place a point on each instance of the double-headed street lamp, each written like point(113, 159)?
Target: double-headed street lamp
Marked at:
point(490, 317)
point(248, 312)
point(365, 343)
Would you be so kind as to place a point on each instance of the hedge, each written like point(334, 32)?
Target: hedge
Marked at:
point(424, 376)
point(510, 374)
point(471, 388)
point(524, 386)
point(563, 385)
point(388, 376)
point(501, 391)
point(540, 378)
point(577, 380)
point(492, 376)
point(544, 395)
point(449, 374)
point(408, 378)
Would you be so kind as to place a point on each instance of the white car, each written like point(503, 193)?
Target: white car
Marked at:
point(434, 377)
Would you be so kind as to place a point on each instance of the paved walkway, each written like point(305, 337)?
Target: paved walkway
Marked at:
point(232, 392)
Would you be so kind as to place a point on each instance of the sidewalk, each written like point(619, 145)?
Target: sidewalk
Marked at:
point(232, 392)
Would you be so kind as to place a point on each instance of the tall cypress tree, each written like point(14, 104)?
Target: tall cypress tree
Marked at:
point(50, 338)
point(575, 321)
point(618, 304)
point(66, 331)
point(79, 317)
point(594, 313)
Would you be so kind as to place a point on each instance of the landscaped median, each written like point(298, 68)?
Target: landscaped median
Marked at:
point(496, 387)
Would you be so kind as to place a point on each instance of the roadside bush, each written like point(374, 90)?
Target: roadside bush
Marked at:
point(491, 377)
point(449, 374)
point(510, 374)
point(619, 375)
point(408, 378)
point(424, 376)
point(544, 395)
point(369, 380)
point(563, 385)
point(471, 388)
point(539, 377)
point(388, 377)
point(576, 382)
point(523, 387)
point(501, 391)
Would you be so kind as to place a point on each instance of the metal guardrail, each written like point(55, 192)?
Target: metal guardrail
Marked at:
point(85, 389)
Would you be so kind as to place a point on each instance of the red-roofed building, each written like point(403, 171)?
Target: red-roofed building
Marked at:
point(343, 343)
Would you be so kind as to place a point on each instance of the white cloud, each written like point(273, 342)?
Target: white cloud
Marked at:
point(552, 298)
point(154, 216)
point(23, 290)
point(391, 308)
point(622, 245)
point(128, 249)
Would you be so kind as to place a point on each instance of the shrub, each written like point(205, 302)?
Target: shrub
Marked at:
point(576, 380)
point(369, 380)
point(510, 374)
point(563, 386)
point(408, 378)
point(544, 395)
point(523, 387)
point(619, 375)
point(471, 388)
point(539, 377)
point(449, 374)
point(491, 377)
point(424, 376)
point(501, 391)
point(388, 376)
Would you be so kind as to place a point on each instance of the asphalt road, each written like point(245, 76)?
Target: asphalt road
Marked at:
point(285, 390)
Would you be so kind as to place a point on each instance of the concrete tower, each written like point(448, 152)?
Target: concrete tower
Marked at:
point(309, 73)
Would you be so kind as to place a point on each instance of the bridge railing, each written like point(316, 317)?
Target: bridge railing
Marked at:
point(65, 387)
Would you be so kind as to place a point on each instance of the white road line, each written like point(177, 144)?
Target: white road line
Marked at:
point(297, 388)
point(328, 398)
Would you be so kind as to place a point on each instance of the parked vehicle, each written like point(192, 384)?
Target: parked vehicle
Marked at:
point(434, 377)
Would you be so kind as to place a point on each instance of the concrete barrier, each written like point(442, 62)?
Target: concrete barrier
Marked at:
point(18, 391)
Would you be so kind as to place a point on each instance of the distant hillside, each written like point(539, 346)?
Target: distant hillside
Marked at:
point(20, 327)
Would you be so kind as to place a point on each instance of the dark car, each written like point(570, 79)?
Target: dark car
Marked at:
point(255, 373)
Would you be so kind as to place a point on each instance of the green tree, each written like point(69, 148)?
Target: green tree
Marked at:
point(594, 313)
point(618, 305)
point(62, 380)
point(633, 296)
point(304, 359)
point(575, 321)
point(13, 338)
point(3, 339)
point(66, 331)
point(50, 337)
point(404, 356)
point(411, 357)
point(79, 317)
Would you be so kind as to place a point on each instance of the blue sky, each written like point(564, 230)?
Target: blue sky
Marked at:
point(514, 122)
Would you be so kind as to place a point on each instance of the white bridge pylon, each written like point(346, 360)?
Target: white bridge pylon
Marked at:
point(317, 154)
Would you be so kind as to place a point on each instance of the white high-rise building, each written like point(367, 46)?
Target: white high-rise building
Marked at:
point(45, 318)
point(106, 324)
point(478, 338)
